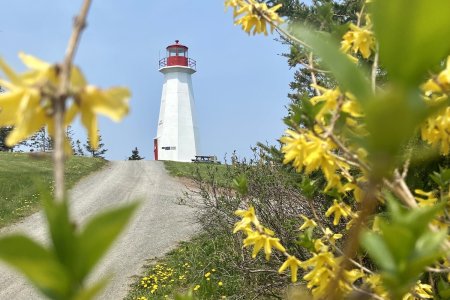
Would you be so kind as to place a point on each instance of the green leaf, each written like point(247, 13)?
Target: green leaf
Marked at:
point(378, 250)
point(415, 220)
point(348, 74)
point(305, 239)
point(400, 248)
point(392, 120)
point(427, 250)
point(443, 289)
point(99, 234)
point(187, 296)
point(90, 292)
point(240, 184)
point(38, 264)
point(62, 231)
point(412, 35)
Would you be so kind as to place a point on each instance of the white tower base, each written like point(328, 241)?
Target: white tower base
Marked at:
point(177, 131)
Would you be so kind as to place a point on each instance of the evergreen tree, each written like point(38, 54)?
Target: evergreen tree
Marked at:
point(69, 135)
point(4, 131)
point(100, 151)
point(40, 141)
point(78, 150)
point(135, 155)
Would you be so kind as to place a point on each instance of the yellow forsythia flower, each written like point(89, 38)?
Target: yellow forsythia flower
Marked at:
point(28, 102)
point(339, 210)
point(248, 218)
point(435, 129)
point(359, 39)
point(425, 291)
point(429, 199)
point(439, 84)
point(309, 223)
point(323, 267)
point(260, 241)
point(251, 14)
point(293, 263)
point(306, 150)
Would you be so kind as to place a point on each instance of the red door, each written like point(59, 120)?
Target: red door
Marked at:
point(155, 148)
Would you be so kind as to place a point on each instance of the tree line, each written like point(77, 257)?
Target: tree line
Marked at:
point(42, 142)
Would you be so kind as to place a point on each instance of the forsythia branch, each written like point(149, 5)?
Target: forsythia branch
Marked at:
point(60, 99)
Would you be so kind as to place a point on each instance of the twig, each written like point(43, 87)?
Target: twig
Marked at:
point(335, 116)
point(61, 97)
point(374, 71)
point(368, 206)
point(313, 75)
point(372, 295)
point(354, 262)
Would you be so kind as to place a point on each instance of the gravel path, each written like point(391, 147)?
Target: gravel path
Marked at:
point(156, 228)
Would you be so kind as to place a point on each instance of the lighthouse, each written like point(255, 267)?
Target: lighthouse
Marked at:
point(176, 137)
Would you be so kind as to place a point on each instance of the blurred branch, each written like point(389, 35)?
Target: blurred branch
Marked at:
point(61, 97)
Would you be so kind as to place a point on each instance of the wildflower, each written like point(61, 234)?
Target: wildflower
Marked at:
point(196, 287)
point(220, 283)
point(251, 14)
point(207, 274)
point(293, 263)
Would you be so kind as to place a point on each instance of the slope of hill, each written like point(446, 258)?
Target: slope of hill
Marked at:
point(19, 174)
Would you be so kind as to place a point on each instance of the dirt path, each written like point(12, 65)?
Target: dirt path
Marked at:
point(156, 228)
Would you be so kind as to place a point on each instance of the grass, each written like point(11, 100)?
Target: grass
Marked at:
point(19, 196)
point(213, 264)
point(201, 266)
point(204, 171)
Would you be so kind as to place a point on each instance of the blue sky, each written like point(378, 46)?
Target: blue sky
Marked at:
point(240, 86)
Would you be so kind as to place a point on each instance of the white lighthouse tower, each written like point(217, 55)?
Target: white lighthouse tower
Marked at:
point(176, 137)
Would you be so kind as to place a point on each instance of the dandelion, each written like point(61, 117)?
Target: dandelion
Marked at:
point(220, 283)
point(196, 287)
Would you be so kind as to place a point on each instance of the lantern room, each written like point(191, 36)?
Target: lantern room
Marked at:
point(177, 55)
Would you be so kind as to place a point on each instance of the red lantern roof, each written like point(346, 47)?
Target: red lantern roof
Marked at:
point(177, 55)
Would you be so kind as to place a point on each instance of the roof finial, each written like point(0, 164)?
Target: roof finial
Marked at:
point(177, 41)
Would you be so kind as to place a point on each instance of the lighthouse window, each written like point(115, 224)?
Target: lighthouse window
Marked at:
point(169, 148)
